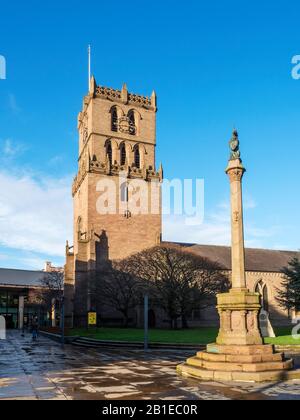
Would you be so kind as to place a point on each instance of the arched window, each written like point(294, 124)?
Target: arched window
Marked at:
point(109, 152)
point(122, 154)
point(132, 123)
point(124, 192)
point(137, 157)
point(114, 119)
point(262, 289)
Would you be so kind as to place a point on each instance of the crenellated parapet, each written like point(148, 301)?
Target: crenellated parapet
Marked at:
point(139, 100)
point(108, 93)
point(123, 96)
point(106, 168)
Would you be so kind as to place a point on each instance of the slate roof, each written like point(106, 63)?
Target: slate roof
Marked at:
point(259, 260)
point(20, 278)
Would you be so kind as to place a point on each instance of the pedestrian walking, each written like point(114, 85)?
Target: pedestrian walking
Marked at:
point(35, 328)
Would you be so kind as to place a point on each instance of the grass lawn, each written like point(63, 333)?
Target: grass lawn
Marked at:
point(283, 338)
point(191, 336)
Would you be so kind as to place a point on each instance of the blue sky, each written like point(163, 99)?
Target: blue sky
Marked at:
point(214, 65)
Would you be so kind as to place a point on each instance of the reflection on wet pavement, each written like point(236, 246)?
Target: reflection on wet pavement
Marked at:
point(44, 371)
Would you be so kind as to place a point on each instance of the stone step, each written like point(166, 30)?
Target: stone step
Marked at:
point(93, 343)
point(214, 375)
point(110, 344)
point(240, 367)
point(241, 350)
point(240, 358)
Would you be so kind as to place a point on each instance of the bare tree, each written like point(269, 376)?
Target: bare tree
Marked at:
point(52, 284)
point(179, 280)
point(119, 288)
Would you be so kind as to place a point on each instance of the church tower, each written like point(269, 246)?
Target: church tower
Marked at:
point(117, 190)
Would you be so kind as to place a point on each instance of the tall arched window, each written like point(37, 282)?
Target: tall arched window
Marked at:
point(109, 151)
point(132, 123)
point(262, 289)
point(122, 154)
point(137, 157)
point(114, 119)
point(124, 192)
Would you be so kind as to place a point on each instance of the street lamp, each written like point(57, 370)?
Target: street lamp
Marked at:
point(146, 322)
point(62, 320)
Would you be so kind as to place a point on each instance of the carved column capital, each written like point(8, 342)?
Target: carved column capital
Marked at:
point(236, 174)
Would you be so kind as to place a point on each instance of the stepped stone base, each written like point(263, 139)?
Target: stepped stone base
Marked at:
point(239, 363)
point(239, 354)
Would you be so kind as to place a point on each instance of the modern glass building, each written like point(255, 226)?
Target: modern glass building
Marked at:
point(19, 290)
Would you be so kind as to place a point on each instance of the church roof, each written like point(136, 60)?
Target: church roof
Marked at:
point(20, 278)
point(259, 260)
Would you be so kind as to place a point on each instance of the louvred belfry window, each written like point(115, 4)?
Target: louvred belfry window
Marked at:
point(137, 157)
point(109, 152)
point(123, 154)
point(114, 120)
point(132, 125)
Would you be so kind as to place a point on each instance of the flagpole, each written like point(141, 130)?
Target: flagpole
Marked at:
point(89, 65)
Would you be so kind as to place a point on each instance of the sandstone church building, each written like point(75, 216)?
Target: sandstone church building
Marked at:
point(117, 140)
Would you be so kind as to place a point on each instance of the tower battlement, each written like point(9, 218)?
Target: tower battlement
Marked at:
point(105, 168)
point(123, 96)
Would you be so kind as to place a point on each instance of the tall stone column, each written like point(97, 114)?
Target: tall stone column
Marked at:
point(239, 301)
point(235, 172)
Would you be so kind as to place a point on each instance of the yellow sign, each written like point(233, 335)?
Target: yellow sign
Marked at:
point(92, 318)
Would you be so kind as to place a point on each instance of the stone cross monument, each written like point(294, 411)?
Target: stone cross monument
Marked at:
point(239, 353)
point(238, 309)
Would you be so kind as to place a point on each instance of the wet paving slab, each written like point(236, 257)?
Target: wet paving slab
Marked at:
point(44, 371)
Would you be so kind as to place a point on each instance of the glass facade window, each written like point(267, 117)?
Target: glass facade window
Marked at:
point(3, 301)
point(9, 308)
point(12, 300)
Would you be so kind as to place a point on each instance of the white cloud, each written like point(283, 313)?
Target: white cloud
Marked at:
point(56, 160)
point(11, 149)
point(32, 263)
point(214, 231)
point(35, 215)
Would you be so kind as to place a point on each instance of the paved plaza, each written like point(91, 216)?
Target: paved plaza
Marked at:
point(42, 370)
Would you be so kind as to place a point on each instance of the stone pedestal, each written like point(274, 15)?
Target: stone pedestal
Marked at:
point(239, 353)
point(239, 311)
